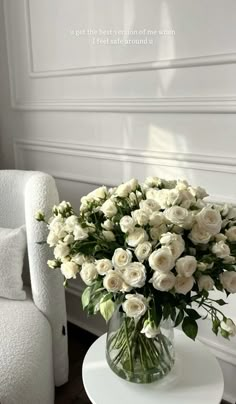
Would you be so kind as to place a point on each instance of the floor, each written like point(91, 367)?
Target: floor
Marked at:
point(73, 392)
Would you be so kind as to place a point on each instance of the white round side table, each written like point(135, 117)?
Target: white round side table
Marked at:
point(196, 378)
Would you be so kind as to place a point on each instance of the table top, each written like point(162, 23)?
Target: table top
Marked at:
point(196, 378)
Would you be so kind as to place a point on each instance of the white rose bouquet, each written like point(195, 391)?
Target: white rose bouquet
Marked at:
point(153, 251)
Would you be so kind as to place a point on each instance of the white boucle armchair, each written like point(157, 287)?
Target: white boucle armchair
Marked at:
point(33, 332)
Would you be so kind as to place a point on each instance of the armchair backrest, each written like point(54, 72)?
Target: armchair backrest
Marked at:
point(22, 193)
point(12, 188)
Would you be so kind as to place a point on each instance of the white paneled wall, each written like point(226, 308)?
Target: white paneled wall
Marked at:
point(78, 103)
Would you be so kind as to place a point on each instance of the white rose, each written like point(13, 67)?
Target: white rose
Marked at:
point(149, 205)
point(156, 219)
point(112, 281)
point(224, 209)
point(59, 230)
point(205, 282)
point(125, 288)
point(143, 250)
point(150, 330)
point(61, 250)
point(78, 259)
point(140, 217)
point(157, 231)
point(186, 266)
point(80, 233)
point(83, 205)
point(70, 223)
point(186, 199)
point(133, 183)
point(229, 260)
point(69, 239)
point(109, 208)
point(108, 225)
point(173, 197)
point(103, 266)
point(163, 281)
point(88, 273)
point(136, 237)
point(229, 327)
point(135, 275)
point(199, 204)
point(152, 181)
point(52, 239)
point(69, 269)
point(127, 224)
point(232, 213)
point(168, 238)
point(123, 190)
point(169, 184)
point(202, 266)
point(111, 191)
point(97, 194)
point(63, 206)
point(109, 235)
point(54, 221)
point(183, 285)
point(177, 247)
point(52, 264)
point(199, 235)
point(220, 237)
point(132, 198)
point(228, 281)
point(178, 215)
point(121, 258)
point(160, 196)
point(231, 233)
point(161, 260)
point(65, 259)
point(209, 220)
point(135, 306)
point(182, 185)
point(221, 249)
point(198, 192)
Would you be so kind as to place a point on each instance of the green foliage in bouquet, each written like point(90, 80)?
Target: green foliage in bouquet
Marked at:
point(154, 250)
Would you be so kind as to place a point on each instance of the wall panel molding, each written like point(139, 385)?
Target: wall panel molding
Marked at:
point(197, 161)
point(198, 61)
point(142, 105)
point(216, 104)
point(189, 62)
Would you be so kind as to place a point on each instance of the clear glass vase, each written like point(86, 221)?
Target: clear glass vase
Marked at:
point(133, 356)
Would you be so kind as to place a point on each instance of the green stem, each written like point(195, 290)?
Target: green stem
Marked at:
point(128, 345)
point(163, 340)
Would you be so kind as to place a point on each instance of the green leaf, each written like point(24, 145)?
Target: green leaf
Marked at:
point(205, 293)
point(193, 314)
point(224, 333)
point(91, 309)
point(106, 297)
point(190, 327)
point(107, 308)
point(221, 302)
point(156, 312)
point(215, 326)
point(173, 313)
point(85, 298)
point(166, 311)
point(179, 318)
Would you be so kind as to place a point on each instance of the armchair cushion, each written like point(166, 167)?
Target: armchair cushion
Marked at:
point(26, 360)
point(12, 251)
